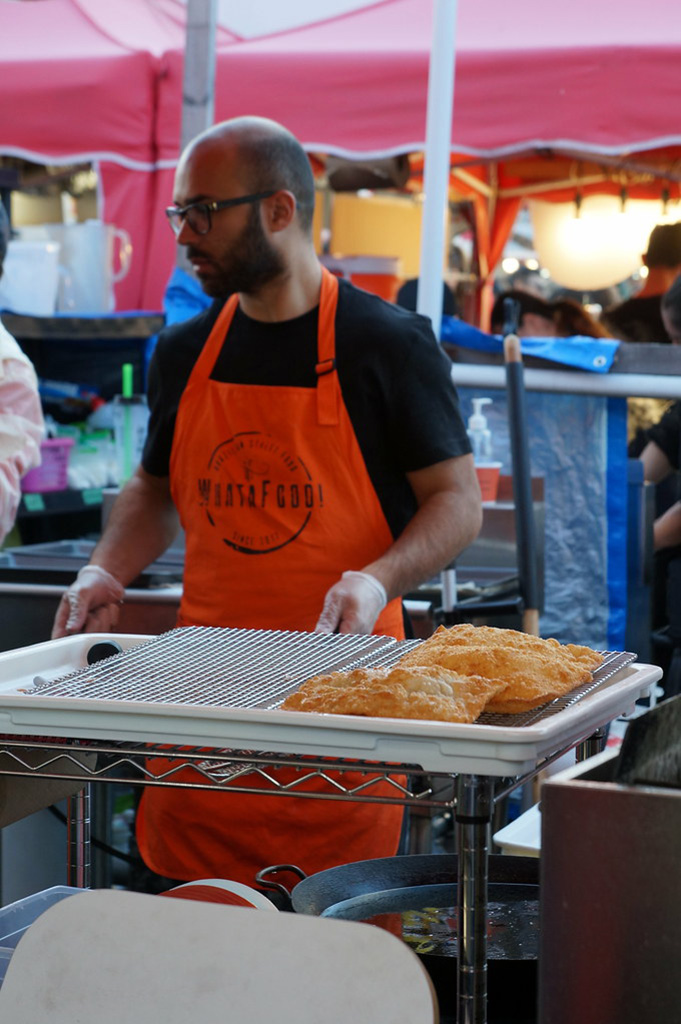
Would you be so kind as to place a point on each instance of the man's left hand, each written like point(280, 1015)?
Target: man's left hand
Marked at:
point(352, 605)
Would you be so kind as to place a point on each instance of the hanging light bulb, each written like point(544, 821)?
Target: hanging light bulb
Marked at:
point(510, 265)
point(600, 247)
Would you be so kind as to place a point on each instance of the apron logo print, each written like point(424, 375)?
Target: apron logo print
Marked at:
point(252, 468)
point(258, 493)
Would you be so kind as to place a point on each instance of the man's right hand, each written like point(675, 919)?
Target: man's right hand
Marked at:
point(90, 605)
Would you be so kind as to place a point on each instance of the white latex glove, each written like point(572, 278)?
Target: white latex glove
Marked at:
point(352, 605)
point(90, 605)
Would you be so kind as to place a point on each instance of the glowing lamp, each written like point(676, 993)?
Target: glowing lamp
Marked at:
point(595, 244)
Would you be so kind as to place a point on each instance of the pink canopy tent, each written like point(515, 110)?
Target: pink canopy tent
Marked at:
point(528, 78)
point(92, 80)
point(73, 93)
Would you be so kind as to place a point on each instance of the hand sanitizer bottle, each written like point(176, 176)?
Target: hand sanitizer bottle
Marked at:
point(481, 442)
point(478, 432)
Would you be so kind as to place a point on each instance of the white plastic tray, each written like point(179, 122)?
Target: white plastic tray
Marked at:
point(497, 750)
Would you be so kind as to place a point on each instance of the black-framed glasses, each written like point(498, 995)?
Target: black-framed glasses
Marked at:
point(198, 215)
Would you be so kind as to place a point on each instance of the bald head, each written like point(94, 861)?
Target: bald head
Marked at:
point(266, 157)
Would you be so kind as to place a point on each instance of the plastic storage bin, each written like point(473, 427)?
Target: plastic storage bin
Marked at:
point(5, 957)
point(522, 837)
point(15, 918)
point(52, 473)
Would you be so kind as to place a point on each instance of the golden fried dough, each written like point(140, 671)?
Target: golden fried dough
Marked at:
point(421, 692)
point(532, 670)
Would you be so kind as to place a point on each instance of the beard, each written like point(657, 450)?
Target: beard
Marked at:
point(250, 262)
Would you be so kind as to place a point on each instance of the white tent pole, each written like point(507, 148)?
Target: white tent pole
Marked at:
point(437, 156)
point(198, 86)
point(198, 91)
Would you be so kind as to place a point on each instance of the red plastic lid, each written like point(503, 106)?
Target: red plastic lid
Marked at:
point(208, 894)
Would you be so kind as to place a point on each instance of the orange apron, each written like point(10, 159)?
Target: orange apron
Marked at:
point(276, 502)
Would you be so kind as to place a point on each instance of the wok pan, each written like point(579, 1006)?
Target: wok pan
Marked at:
point(387, 886)
point(314, 893)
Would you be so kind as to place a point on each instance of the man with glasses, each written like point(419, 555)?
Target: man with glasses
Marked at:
point(308, 436)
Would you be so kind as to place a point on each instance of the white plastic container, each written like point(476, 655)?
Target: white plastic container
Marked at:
point(15, 918)
point(94, 257)
point(522, 837)
point(5, 957)
point(30, 277)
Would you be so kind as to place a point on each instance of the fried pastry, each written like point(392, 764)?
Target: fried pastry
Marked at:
point(419, 692)
point(533, 670)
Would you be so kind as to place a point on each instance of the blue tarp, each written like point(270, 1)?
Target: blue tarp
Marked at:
point(593, 354)
point(578, 444)
point(183, 299)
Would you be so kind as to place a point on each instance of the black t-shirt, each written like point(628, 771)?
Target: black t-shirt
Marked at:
point(395, 380)
point(667, 434)
point(638, 319)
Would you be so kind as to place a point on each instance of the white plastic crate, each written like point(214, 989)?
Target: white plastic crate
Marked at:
point(521, 837)
point(17, 917)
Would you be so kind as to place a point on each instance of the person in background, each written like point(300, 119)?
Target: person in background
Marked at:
point(640, 318)
point(572, 321)
point(661, 458)
point(646, 414)
point(307, 436)
point(539, 318)
point(659, 448)
point(535, 317)
point(408, 293)
point(21, 418)
point(670, 310)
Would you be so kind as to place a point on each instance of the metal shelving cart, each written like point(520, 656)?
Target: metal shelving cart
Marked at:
point(211, 697)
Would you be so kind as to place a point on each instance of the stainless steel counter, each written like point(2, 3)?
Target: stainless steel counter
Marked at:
point(34, 577)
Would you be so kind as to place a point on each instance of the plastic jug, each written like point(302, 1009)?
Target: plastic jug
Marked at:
point(94, 256)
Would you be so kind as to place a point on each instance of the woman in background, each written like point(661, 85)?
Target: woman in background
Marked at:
point(21, 418)
point(572, 320)
point(539, 318)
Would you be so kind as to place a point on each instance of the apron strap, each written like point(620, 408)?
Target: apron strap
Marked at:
point(203, 367)
point(328, 385)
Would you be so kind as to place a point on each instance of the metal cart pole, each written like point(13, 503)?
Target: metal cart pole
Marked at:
point(593, 744)
point(474, 804)
point(78, 838)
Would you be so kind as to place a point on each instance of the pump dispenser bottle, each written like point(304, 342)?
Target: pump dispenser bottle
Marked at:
point(481, 442)
point(479, 434)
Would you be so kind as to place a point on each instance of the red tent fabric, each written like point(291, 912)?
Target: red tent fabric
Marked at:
point(529, 74)
point(69, 91)
point(72, 93)
point(102, 81)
